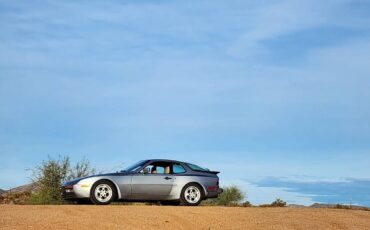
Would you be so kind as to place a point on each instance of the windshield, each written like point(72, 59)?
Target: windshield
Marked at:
point(196, 167)
point(135, 167)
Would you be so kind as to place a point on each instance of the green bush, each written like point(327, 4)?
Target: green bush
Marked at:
point(50, 174)
point(231, 196)
point(277, 203)
point(247, 204)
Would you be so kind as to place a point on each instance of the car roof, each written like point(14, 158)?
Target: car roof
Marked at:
point(168, 160)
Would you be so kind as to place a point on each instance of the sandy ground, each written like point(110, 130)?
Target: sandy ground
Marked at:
point(171, 217)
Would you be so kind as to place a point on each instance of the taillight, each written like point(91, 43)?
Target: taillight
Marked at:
point(212, 188)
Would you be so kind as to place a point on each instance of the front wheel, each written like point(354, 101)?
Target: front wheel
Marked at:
point(103, 193)
point(191, 195)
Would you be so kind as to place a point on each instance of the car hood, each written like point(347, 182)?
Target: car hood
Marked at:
point(75, 181)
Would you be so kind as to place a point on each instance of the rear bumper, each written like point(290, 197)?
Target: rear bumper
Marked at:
point(215, 194)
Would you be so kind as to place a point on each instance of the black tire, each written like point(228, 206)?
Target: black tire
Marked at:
point(184, 198)
point(170, 203)
point(108, 188)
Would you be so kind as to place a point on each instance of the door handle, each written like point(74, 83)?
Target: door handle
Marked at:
point(168, 178)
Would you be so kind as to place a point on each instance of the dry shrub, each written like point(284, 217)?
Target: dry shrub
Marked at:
point(50, 174)
point(231, 196)
point(277, 203)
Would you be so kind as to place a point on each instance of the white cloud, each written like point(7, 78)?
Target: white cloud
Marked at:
point(285, 17)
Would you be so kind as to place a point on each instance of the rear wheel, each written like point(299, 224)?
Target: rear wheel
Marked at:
point(103, 192)
point(191, 195)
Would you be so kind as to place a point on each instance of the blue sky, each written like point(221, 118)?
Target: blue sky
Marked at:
point(274, 94)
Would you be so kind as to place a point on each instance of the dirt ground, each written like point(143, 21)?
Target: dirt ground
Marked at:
point(171, 217)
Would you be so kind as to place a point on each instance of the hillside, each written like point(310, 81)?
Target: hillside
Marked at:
point(24, 188)
point(17, 195)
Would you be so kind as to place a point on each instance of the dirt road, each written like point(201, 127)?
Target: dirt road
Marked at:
point(167, 217)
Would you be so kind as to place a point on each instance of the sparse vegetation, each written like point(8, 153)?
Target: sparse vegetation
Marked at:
point(342, 206)
point(350, 207)
point(232, 196)
point(50, 174)
point(247, 204)
point(277, 203)
point(81, 169)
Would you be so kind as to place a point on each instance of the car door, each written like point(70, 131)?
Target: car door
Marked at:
point(151, 186)
point(124, 184)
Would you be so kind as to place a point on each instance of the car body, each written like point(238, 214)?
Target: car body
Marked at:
point(148, 180)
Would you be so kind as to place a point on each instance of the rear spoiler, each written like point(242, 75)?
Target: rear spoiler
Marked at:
point(214, 172)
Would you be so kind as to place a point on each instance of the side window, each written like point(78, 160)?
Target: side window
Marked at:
point(177, 168)
point(157, 168)
point(160, 169)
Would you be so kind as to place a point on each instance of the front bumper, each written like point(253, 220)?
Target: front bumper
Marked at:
point(68, 193)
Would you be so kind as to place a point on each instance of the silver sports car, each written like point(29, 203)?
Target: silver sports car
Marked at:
point(167, 181)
